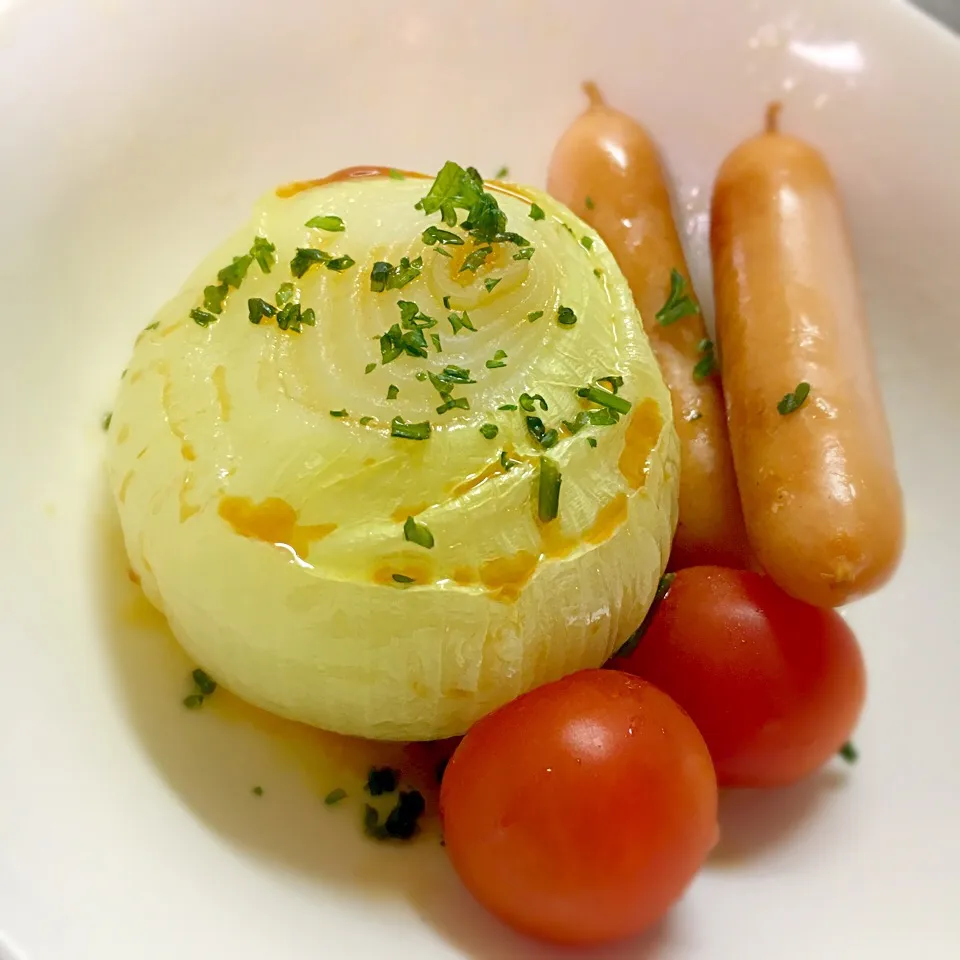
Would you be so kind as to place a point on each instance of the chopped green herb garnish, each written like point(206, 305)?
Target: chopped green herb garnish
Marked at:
point(409, 431)
point(489, 431)
point(257, 791)
point(213, 297)
point(435, 338)
point(380, 275)
point(507, 406)
point(417, 533)
point(285, 293)
point(412, 318)
point(290, 317)
point(234, 274)
point(455, 188)
point(442, 252)
point(586, 243)
point(506, 462)
point(152, 326)
point(107, 420)
point(536, 315)
point(616, 382)
point(393, 391)
point(264, 252)
point(548, 490)
point(497, 360)
point(453, 403)
point(339, 413)
point(202, 317)
point(546, 438)
point(528, 402)
point(365, 420)
point(433, 235)
point(849, 752)
point(525, 254)
point(329, 223)
point(536, 212)
point(446, 303)
point(386, 276)
point(400, 578)
point(598, 273)
point(588, 203)
point(194, 701)
point(305, 258)
point(566, 317)
point(501, 173)
point(395, 341)
point(792, 402)
point(594, 418)
point(592, 441)
point(707, 364)
point(205, 683)
point(475, 260)
point(258, 309)
point(605, 399)
point(491, 282)
point(679, 303)
point(335, 796)
point(339, 264)
point(309, 317)
point(395, 174)
point(452, 376)
point(371, 823)
point(401, 822)
point(381, 780)
point(369, 368)
point(461, 322)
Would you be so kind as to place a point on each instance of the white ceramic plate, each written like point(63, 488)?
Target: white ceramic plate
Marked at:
point(135, 136)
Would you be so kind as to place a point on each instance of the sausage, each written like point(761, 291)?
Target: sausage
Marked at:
point(822, 503)
point(607, 157)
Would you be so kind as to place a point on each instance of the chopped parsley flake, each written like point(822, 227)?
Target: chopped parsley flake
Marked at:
point(369, 368)
point(257, 791)
point(678, 304)
point(401, 822)
point(339, 264)
point(536, 315)
point(446, 303)
point(592, 441)
point(548, 490)
point(152, 326)
point(455, 188)
point(546, 438)
point(491, 282)
point(234, 275)
point(501, 173)
point(792, 402)
point(475, 260)
point(339, 413)
point(489, 431)
point(435, 339)
point(202, 317)
point(401, 578)
point(365, 420)
point(566, 317)
point(536, 212)
point(507, 406)
point(461, 322)
point(258, 309)
point(305, 258)
point(417, 533)
point(194, 701)
point(528, 402)
point(605, 399)
point(506, 462)
point(335, 796)
point(393, 391)
point(213, 297)
point(525, 254)
point(107, 419)
point(386, 276)
point(586, 242)
point(453, 403)
point(395, 341)
point(264, 252)
point(497, 360)
point(433, 235)
point(588, 203)
point(286, 292)
point(707, 364)
point(849, 752)
point(329, 223)
point(592, 418)
point(381, 780)
point(409, 431)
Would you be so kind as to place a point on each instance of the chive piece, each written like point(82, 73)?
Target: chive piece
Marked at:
point(849, 752)
point(446, 302)
point(106, 421)
point(258, 309)
point(605, 399)
point(305, 258)
point(264, 252)
point(679, 303)
point(546, 438)
point(501, 173)
point(194, 701)
point(497, 360)
point(285, 293)
point(588, 203)
point(205, 683)
point(369, 368)
point(409, 431)
point(475, 260)
point(527, 401)
point(443, 253)
point(592, 441)
point(453, 403)
point(586, 243)
point(507, 406)
point(525, 254)
point(405, 272)
point(289, 317)
point(491, 282)
point(548, 490)
point(309, 317)
point(379, 276)
point(566, 317)
point(381, 780)
point(371, 823)
point(400, 578)
point(489, 431)
point(417, 533)
point(461, 322)
point(616, 382)
point(401, 822)
point(339, 413)
point(257, 791)
point(329, 223)
point(536, 315)
point(433, 235)
point(536, 212)
point(202, 317)
point(707, 364)
point(152, 326)
point(506, 462)
point(339, 264)
point(792, 402)
point(395, 174)
point(234, 274)
point(435, 337)
point(335, 796)
point(213, 297)
point(365, 420)
point(393, 391)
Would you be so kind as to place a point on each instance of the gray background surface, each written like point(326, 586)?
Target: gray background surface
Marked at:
point(947, 11)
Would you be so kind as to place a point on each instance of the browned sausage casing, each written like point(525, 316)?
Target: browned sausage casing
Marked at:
point(607, 156)
point(819, 488)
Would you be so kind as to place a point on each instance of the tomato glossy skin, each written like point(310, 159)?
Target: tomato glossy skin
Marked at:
point(774, 684)
point(579, 812)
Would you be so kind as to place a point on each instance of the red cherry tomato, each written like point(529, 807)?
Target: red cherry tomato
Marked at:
point(579, 812)
point(774, 684)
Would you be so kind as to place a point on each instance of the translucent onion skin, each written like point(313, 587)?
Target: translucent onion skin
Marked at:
point(271, 532)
